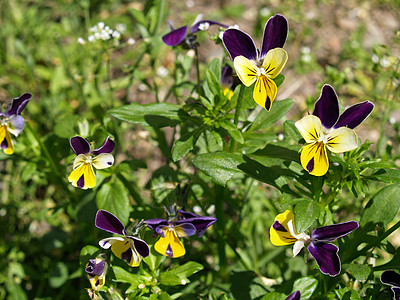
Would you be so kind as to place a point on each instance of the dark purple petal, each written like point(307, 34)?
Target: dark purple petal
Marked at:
point(94, 269)
point(154, 223)
point(294, 296)
point(161, 229)
point(107, 147)
point(326, 257)
point(327, 106)
point(169, 251)
point(200, 223)
point(396, 292)
point(81, 181)
point(226, 77)
point(141, 246)
point(391, 278)
point(275, 34)
point(278, 226)
point(127, 255)
point(175, 37)
point(333, 232)
point(355, 115)
point(237, 43)
point(4, 144)
point(185, 214)
point(196, 28)
point(79, 145)
point(108, 222)
point(184, 229)
point(18, 104)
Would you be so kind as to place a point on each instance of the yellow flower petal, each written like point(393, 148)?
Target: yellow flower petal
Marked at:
point(274, 62)
point(314, 159)
point(310, 128)
point(83, 176)
point(5, 139)
point(341, 140)
point(124, 250)
point(246, 70)
point(170, 245)
point(264, 92)
point(279, 232)
point(228, 92)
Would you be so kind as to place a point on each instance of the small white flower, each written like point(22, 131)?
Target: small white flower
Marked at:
point(91, 38)
point(131, 41)
point(305, 50)
point(116, 34)
point(281, 136)
point(142, 87)
point(162, 72)
point(100, 25)
point(211, 209)
point(265, 12)
point(121, 27)
point(97, 35)
point(197, 209)
point(93, 29)
point(375, 58)
point(81, 41)
point(385, 62)
point(392, 120)
point(190, 3)
point(204, 26)
point(306, 58)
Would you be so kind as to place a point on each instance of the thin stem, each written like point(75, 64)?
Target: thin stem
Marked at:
point(239, 104)
point(131, 75)
point(197, 70)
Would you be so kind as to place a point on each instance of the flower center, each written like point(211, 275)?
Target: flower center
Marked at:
point(4, 121)
point(88, 159)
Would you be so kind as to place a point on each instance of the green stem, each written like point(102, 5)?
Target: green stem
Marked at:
point(131, 75)
point(197, 71)
point(239, 105)
point(108, 66)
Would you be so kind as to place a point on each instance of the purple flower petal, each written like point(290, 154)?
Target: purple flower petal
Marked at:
point(237, 43)
point(81, 181)
point(327, 106)
point(107, 147)
point(108, 222)
point(186, 215)
point(333, 232)
point(79, 145)
point(196, 28)
point(175, 37)
point(94, 269)
point(200, 223)
point(355, 115)
point(275, 34)
point(391, 278)
point(294, 296)
point(17, 124)
point(18, 104)
point(396, 292)
point(326, 257)
point(184, 229)
point(154, 223)
point(141, 246)
point(160, 230)
point(226, 77)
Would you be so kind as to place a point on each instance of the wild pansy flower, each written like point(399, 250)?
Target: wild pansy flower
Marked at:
point(12, 122)
point(227, 81)
point(129, 247)
point(283, 232)
point(262, 66)
point(96, 270)
point(83, 175)
point(177, 36)
point(179, 224)
point(326, 128)
point(393, 279)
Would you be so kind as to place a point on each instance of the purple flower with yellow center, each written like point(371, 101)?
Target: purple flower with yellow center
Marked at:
point(96, 270)
point(393, 279)
point(177, 36)
point(259, 67)
point(283, 233)
point(83, 175)
point(12, 122)
point(129, 247)
point(179, 225)
point(326, 128)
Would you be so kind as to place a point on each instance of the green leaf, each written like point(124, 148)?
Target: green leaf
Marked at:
point(155, 114)
point(185, 144)
point(233, 131)
point(291, 132)
point(215, 68)
point(359, 272)
point(138, 16)
point(179, 275)
point(113, 197)
point(121, 275)
point(64, 127)
point(383, 206)
point(154, 259)
point(306, 286)
point(188, 269)
point(267, 118)
point(59, 275)
point(306, 212)
point(220, 166)
point(279, 79)
point(274, 296)
point(387, 175)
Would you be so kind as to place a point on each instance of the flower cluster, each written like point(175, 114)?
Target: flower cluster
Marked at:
point(102, 32)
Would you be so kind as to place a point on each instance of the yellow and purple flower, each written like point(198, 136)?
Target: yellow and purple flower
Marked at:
point(128, 247)
point(180, 224)
point(283, 233)
point(96, 270)
point(12, 122)
point(327, 129)
point(227, 81)
point(392, 278)
point(259, 67)
point(177, 36)
point(83, 175)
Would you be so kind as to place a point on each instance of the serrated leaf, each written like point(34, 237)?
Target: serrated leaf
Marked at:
point(306, 286)
point(113, 197)
point(383, 206)
point(220, 166)
point(267, 118)
point(306, 212)
point(155, 114)
point(359, 272)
